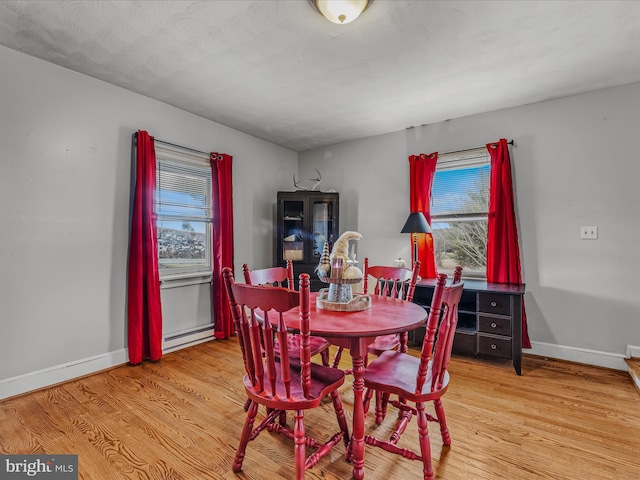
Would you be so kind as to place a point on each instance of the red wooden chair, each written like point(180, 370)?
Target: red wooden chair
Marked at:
point(419, 380)
point(457, 274)
point(274, 276)
point(278, 383)
point(283, 277)
point(395, 282)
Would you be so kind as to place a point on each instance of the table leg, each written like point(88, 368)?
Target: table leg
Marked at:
point(356, 447)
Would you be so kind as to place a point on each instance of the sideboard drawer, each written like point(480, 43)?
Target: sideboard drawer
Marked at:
point(494, 303)
point(494, 346)
point(495, 325)
point(465, 343)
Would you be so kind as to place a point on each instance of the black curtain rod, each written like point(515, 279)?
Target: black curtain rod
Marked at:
point(177, 146)
point(183, 148)
point(510, 142)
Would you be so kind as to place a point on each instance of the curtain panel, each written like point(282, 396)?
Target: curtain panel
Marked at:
point(144, 312)
point(222, 243)
point(503, 252)
point(422, 169)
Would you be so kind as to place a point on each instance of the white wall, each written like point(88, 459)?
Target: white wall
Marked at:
point(65, 170)
point(575, 163)
point(65, 162)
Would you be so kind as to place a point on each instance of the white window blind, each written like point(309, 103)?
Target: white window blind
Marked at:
point(183, 206)
point(183, 190)
point(461, 185)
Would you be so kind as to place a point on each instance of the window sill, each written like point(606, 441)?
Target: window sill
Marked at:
point(471, 275)
point(184, 280)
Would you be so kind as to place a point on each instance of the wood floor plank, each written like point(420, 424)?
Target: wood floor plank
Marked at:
point(180, 419)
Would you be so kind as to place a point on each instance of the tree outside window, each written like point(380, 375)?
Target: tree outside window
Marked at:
point(459, 207)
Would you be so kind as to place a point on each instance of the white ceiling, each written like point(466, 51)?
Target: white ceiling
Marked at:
point(278, 70)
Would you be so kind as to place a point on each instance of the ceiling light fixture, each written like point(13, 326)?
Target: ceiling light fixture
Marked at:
point(341, 11)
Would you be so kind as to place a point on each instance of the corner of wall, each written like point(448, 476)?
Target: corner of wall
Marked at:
point(633, 351)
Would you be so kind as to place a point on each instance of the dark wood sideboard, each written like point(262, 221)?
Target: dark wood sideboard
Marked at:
point(489, 320)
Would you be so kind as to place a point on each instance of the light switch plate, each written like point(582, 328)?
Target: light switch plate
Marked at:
point(589, 233)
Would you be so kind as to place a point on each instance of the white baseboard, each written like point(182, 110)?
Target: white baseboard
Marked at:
point(580, 355)
point(191, 343)
point(50, 376)
point(10, 387)
point(187, 338)
point(633, 351)
point(635, 378)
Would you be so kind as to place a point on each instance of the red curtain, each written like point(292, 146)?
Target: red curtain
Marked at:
point(222, 241)
point(422, 169)
point(144, 312)
point(503, 253)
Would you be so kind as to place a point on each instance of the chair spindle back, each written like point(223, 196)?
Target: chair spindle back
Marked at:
point(397, 282)
point(457, 274)
point(253, 309)
point(443, 317)
point(274, 276)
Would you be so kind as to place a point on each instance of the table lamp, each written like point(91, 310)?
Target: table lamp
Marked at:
point(416, 223)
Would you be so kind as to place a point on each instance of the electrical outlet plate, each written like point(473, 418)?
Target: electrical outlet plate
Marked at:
point(589, 233)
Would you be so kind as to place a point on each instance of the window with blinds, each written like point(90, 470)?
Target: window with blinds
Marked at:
point(183, 208)
point(459, 210)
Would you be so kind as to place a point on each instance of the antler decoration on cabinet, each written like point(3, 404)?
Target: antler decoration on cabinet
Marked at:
point(315, 185)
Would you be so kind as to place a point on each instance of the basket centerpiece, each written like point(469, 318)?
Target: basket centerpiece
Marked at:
point(340, 271)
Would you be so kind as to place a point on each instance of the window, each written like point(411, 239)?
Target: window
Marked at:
point(459, 208)
point(183, 208)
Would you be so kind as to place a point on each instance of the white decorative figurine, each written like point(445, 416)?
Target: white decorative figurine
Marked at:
point(339, 270)
point(341, 250)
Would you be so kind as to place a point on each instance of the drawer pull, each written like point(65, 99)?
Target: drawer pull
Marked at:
point(493, 304)
point(494, 324)
point(493, 346)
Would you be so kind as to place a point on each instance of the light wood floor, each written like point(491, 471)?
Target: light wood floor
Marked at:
point(181, 418)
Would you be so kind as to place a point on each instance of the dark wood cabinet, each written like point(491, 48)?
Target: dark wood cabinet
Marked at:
point(305, 221)
point(489, 320)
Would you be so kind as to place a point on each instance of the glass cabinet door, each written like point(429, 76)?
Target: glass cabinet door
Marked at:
point(293, 228)
point(322, 227)
point(306, 221)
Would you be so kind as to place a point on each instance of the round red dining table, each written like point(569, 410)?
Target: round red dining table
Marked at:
point(354, 331)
